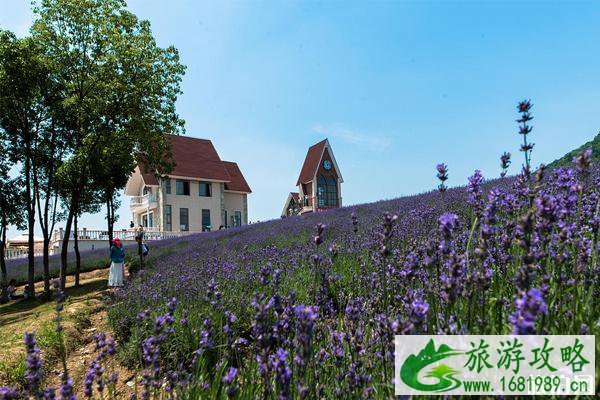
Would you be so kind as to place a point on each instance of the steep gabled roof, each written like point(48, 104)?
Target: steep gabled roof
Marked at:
point(311, 162)
point(196, 158)
point(295, 196)
point(148, 177)
point(237, 181)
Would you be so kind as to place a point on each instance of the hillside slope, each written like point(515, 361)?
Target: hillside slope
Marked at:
point(567, 159)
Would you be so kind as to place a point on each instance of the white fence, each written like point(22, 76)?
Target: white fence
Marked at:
point(10, 254)
point(93, 238)
point(126, 234)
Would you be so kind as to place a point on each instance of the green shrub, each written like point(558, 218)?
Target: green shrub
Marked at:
point(81, 319)
point(49, 341)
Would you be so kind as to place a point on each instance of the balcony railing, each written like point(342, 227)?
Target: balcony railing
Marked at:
point(143, 201)
point(308, 202)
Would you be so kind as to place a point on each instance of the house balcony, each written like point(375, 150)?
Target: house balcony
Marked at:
point(319, 203)
point(145, 202)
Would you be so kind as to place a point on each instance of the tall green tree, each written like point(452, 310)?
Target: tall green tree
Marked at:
point(50, 151)
point(24, 115)
point(111, 169)
point(116, 81)
point(11, 205)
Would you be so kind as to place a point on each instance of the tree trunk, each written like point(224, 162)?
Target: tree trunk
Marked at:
point(30, 225)
point(76, 248)
point(46, 267)
point(4, 283)
point(46, 248)
point(110, 218)
point(65, 244)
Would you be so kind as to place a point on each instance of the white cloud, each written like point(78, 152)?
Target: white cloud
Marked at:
point(370, 140)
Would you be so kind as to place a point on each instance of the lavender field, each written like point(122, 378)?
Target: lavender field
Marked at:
point(307, 307)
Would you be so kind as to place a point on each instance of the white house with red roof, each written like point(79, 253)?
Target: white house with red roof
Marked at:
point(319, 184)
point(201, 193)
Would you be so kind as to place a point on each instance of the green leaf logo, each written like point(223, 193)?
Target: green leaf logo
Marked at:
point(413, 365)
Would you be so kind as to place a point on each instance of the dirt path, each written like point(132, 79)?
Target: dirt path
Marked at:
point(85, 315)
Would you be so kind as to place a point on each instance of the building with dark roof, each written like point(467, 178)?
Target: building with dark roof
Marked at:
point(201, 193)
point(319, 183)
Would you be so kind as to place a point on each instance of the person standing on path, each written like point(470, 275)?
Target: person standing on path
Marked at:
point(139, 238)
point(117, 260)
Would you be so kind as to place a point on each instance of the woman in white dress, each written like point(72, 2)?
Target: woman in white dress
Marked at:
point(117, 258)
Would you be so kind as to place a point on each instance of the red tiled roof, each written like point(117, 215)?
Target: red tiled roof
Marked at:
point(196, 158)
point(149, 177)
point(237, 183)
point(311, 162)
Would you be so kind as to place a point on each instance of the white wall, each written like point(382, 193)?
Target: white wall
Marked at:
point(235, 202)
point(194, 203)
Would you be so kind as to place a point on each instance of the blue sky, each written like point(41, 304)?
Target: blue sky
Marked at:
point(396, 86)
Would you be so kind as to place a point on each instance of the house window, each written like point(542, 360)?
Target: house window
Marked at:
point(168, 218)
point(225, 218)
point(237, 218)
point(182, 187)
point(332, 196)
point(184, 219)
point(148, 220)
point(205, 189)
point(321, 191)
point(206, 220)
point(168, 186)
point(146, 190)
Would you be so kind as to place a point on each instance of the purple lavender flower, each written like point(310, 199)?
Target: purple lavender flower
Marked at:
point(265, 273)
point(66, 389)
point(33, 363)
point(583, 161)
point(524, 108)
point(475, 192)
point(318, 239)
point(230, 376)
point(306, 317)
point(419, 309)
point(7, 393)
point(49, 394)
point(442, 175)
point(228, 380)
point(354, 222)
point(529, 306)
point(283, 374)
point(504, 163)
point(447, 223)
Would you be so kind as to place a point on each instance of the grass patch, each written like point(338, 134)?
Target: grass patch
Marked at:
point(13, 371)
point(38, 316)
